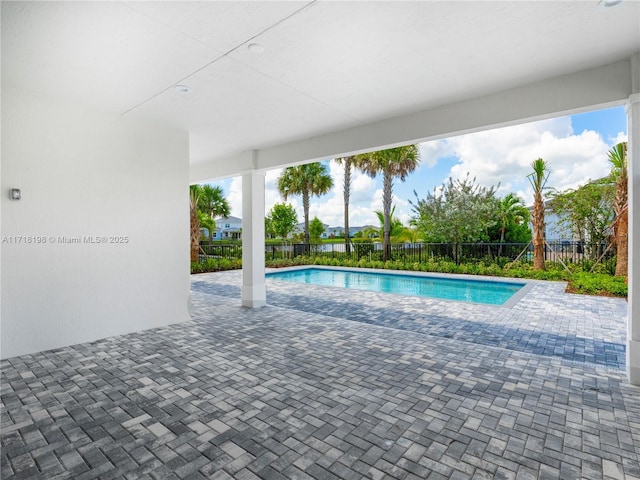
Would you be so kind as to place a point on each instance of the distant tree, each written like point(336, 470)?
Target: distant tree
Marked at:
point(512, 221)
point(619, 164)
point(586, 212)
point(461, 211)
point(268, 227)
point(348, 163)
point(316, 229)
point(206, 222)
point(283, 219)
point(212, 203)
point(538, 180)
point(205, 203)
point(305, 180)
point(392, 163)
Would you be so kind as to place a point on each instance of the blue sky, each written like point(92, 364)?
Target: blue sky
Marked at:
point(575, 147)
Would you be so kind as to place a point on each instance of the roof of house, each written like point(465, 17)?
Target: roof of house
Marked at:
point(229, 219)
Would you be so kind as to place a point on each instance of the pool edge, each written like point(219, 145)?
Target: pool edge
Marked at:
point(527, 284)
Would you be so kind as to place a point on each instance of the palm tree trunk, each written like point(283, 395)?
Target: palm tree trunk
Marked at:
point(538, 232)
point(387, 189)
point(622, 230)
point(347, 194)
point(195, 235)
point(305, 205)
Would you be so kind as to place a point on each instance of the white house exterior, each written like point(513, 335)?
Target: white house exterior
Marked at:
point(553, 231)
point(229, 228)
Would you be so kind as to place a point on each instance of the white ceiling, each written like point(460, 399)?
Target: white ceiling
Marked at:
point(326, 66)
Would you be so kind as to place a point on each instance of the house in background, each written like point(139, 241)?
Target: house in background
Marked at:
point(554, 230)
point(334, 232)
point(229, 228)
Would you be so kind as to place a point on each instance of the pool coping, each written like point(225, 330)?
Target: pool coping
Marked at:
point(527, 284)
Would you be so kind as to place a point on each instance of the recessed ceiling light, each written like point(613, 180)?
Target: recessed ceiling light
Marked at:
point(182, 88)
point(255, 48)
point(609, 3)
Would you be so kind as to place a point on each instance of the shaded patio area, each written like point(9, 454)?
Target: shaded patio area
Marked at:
point(286, 392)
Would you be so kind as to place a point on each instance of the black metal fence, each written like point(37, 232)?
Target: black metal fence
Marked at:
point(567, 252)
point(230, 251)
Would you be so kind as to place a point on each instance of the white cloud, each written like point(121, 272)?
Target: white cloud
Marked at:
point(234, 196)
point(430, 152)
point(505, 155)
point(620, 137)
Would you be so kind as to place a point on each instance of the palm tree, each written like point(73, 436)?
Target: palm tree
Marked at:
point(194, 197)
point(398, 232)
point(509, 210)
point(396, 228)
point(348, 162)
point(306, 180)
point(212, 203)
point(619, 163)
point(538, 180)
point(392, 163)
point(205, 203)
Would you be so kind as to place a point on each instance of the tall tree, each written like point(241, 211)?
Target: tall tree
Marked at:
point(392, 163)
point(538, 179)
point(283, 220)
point(194, 198)
point(586, 212)
point(213, 204)
point(316, 229)
point(305, 180)
point(205, 203)
point(619, 174)
point(461, 211)
point(348, 163)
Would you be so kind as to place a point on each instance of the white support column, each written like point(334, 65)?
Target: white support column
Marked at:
point(633, 315)
point(633, 153)
point(254, 291)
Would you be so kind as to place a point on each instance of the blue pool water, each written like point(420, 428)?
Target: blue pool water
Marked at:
point(478, 291)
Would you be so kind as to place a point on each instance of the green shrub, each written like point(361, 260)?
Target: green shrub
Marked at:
point(216, 265)
point(598, 284)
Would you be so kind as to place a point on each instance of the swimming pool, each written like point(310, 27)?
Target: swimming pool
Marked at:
point(476, 291)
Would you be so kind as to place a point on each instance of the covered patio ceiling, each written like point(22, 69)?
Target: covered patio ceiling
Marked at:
point(266, 76)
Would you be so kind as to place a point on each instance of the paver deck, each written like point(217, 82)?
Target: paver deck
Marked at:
point(547, 321)
point(286, 393)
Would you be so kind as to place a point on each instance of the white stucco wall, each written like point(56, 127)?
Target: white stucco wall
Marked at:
point(85, 173)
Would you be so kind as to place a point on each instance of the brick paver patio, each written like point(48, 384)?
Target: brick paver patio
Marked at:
point(284, 392)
